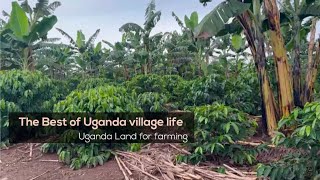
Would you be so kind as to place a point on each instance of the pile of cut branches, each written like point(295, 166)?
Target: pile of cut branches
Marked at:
point(157, 161)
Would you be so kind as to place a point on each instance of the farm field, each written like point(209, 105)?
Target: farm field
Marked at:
point(124, 90)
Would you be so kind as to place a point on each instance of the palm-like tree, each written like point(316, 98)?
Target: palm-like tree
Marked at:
point(252, 18)
point(86, 55)
point(140, 36)
point(22, 36)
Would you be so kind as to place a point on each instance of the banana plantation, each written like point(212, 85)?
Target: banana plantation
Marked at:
point(247, 70)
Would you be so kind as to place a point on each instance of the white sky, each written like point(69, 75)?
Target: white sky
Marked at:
point(110, 15)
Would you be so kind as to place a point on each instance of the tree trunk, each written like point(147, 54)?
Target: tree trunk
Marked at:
point(255, 40)
point(312, 64)
point(30, 64)
point(268, 100)
point(296, 71)
point(312, 76)
point(281, 59)
point(126, 72)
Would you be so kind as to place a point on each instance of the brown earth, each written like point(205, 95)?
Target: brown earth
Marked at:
point(15, 164)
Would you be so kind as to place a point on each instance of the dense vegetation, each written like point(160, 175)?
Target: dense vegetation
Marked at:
point(244, 59)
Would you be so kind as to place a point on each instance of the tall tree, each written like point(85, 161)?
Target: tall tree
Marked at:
point(85, 53)
point(140, 36)
point(216, 23)
point(249, 20)
point(25, 35)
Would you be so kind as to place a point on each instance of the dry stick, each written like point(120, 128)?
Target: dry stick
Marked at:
point(234, 170)
point(253, 144)
point(180, 150)
point(31, 149)
point(43, 174)
point(138, 169)
point(127, 169)
point(120, 167)
point(49, 160)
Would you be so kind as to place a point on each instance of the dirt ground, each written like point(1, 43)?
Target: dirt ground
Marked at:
point(16, 164)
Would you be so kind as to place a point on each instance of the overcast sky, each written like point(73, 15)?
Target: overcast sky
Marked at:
point(110, 15)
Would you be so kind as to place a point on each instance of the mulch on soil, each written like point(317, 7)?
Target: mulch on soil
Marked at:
point(16, 164)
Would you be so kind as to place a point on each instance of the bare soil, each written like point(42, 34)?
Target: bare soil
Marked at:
point(16, 164)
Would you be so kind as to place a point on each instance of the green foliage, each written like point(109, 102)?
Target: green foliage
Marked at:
point(18, 21)
point(79, 155)
point(92, 83)
point(239, 90)
point(181, 91)
point(152, 102)
point(191, 22)
point(305, 162)
point(207, 90)
point(99, 99)
point(217, 129)
point(216, 20)
point(237, 41)
point(147, 83)
point(235, 91)
point(5, 108)
point(170, 83)
point(29, 91)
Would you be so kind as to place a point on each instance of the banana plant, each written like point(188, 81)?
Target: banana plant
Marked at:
point(24, 36)
point(297, 11)
point(256, 25)
point(247, 18)
point(198, 46)
point(86, 55)
point(140, 36)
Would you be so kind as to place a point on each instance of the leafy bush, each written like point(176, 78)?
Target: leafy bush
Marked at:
point(235, 92)
point(305, 162)
point(92, 83)
point(29, 91)
point(170, 83)
point(152, 102)
point(5, 108)
point(100, 99)
point(147, 83)
point(217, 129)
point(182, 91)
point(239, 92)
point(207, 90)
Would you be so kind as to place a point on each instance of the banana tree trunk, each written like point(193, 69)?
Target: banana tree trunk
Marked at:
point(312, 65)
point(28, 58)
point(312, 76)
point(126, 72)
point(268, 101)
point(296, 71)
point(255, 40)
point(281, 59)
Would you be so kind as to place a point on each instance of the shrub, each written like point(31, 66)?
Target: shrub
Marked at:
point(170, 83)
point(29, 91)
point(235, 92)
point(147, 83)
point(305, 162)
point(242, 92)
point(152, 102)
point(100, 99)
point(92, 83)
point(207, 90)
point(5, 108)
point(182, 91)
point(217, 129)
